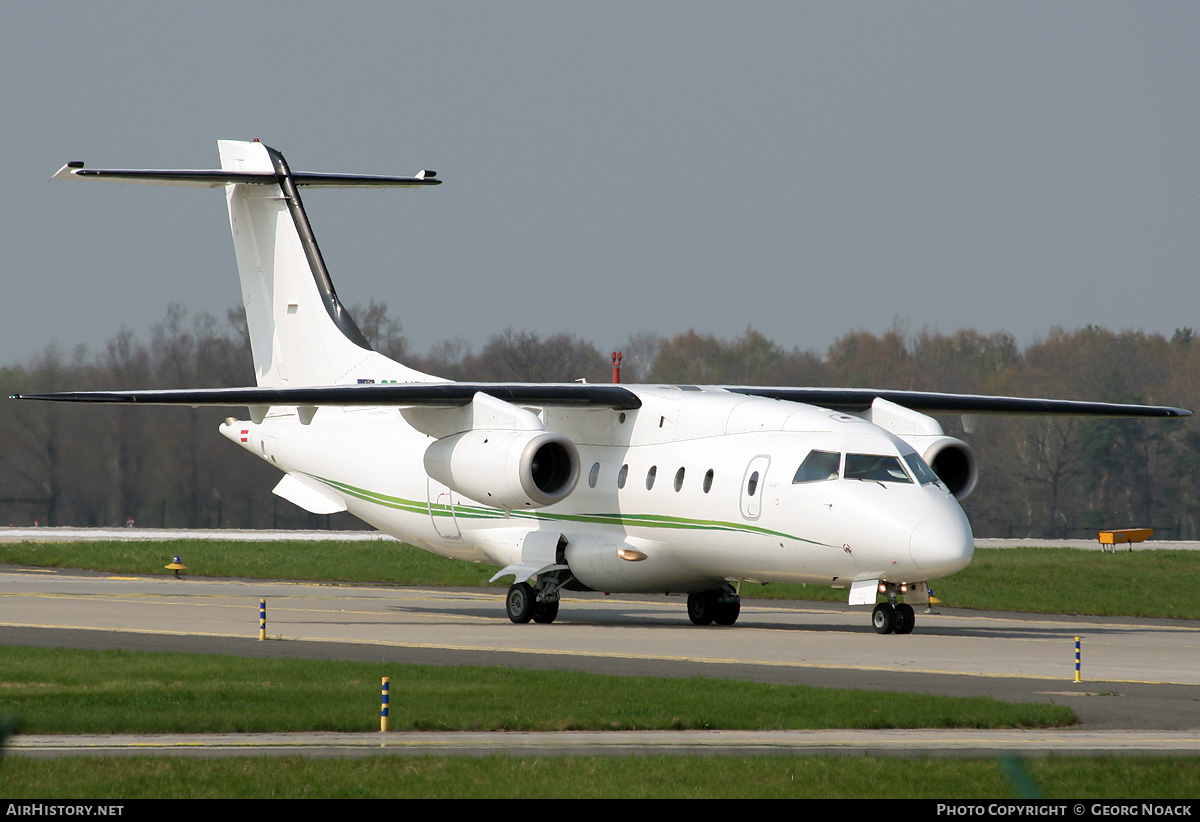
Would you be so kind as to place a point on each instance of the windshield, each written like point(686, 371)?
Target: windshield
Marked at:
point(817, 466)
point(877, 467)
point(920, 469)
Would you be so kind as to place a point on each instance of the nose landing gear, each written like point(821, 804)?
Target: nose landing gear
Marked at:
point(888, 618)
point(892, 616)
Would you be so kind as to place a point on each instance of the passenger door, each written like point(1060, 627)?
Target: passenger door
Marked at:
point(753, 485)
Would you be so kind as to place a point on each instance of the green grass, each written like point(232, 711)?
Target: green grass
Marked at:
point(1142, 583)
point(118, 779)
point(343, 561)
point(1074, 581)
point(1052, 581)
point(62, 691)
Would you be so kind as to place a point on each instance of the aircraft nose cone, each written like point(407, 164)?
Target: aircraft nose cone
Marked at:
point(942, 544)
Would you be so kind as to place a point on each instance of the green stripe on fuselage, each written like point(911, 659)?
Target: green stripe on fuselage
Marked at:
point(462, 511)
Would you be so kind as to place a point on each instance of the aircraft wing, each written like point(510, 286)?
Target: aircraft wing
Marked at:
point(860, 399)
point(447, 394)
point(601, 395)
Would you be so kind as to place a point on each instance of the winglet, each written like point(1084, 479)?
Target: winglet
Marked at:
point(67, 171)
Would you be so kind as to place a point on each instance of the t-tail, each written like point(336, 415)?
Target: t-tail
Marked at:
point(300, 333)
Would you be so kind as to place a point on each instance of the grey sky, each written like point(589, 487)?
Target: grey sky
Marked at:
point(803, 168)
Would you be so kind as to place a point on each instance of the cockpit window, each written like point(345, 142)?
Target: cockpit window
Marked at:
point(877, 467)
point(817, 466)
point(920, 469)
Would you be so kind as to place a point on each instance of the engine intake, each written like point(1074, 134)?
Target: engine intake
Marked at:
point(955, 464)
point(508, 469)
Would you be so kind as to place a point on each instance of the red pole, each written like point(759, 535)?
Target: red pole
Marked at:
point(616, 361)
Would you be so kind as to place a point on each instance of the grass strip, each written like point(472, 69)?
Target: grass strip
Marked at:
point(384, 561)
point(1039, 580)
point(499, 777)
point(63, 691)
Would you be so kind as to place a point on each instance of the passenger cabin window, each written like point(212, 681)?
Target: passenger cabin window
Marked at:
point(679, 479)
point(622, 475)
point(650, 475)
point(877, 467)
point(752, 484)
point(708, 478)
point(594, 475)
point(818, 466)
point(920, 469)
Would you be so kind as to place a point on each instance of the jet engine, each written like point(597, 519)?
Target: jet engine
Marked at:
point(952, 460)
point(508, 469)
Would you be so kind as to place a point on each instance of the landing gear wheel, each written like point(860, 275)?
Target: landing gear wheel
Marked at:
point(545, 612)
point(521, 602)
point(702, 607)
point(906, 619)
point(883, 618)
point(727, 612)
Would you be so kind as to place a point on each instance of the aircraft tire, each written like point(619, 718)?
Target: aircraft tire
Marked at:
point(521, 602)
point(545, 612)
point(883, 618)
point(906, 619)
point(702, 607)
point(728, 612)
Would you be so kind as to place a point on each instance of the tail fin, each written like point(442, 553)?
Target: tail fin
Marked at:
point(300, 334)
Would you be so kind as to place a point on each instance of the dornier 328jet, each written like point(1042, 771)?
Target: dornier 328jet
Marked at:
point(677, 489)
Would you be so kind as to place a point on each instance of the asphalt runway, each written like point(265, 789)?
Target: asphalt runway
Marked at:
point(1139, 675)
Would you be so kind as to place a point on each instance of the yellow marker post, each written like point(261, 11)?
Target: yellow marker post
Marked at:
point(1078, 678)
point(383, 708)
point(262, 619)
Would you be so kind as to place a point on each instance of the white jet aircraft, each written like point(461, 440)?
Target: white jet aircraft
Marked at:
point(676, 489)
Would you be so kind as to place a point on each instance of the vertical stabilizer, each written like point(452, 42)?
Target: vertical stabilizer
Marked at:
point(300, 333)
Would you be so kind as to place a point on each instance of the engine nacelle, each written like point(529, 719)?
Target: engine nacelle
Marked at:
point(508, 469)
point(952, 460)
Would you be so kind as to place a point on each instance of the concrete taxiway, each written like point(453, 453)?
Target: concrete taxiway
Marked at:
point(1139, 685)
point(623, 743)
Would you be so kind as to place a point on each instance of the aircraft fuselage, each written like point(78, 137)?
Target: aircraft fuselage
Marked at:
point(698, 485)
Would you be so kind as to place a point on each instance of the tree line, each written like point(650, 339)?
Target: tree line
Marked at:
point(66, 464)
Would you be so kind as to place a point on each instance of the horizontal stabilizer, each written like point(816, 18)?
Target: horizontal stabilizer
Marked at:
point(447, 394)
point(216, 178)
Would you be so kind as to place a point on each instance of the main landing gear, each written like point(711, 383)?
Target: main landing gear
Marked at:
point(721, 606)
point(525, 603)
point(530, 603)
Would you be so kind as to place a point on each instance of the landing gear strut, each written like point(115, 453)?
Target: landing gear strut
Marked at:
point(722, 606)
